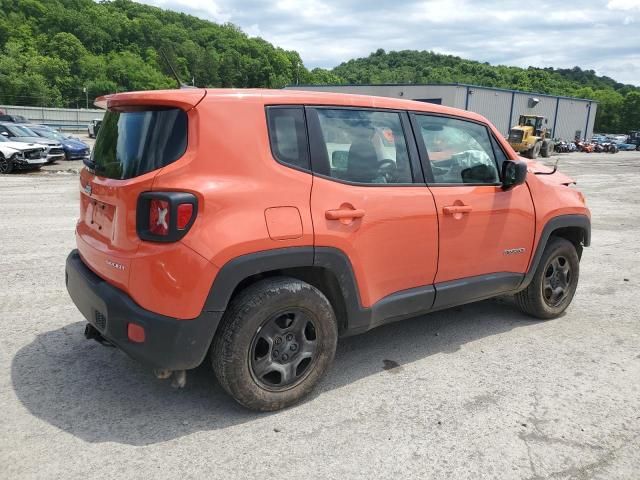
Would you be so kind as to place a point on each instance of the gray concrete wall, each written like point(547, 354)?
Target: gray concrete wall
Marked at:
point(63, 118)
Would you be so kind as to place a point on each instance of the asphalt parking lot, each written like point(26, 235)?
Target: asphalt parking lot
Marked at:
point(480, 391)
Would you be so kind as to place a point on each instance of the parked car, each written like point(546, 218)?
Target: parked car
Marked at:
point(94, 126)
point(628, 147)
point(20, 156)
point(74, 149)
point(301, 217)
point(13, 118)
point(18, 133)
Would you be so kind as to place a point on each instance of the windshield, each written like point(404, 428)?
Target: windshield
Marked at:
point(130, 144)
point(20, 131)
point(43, 132)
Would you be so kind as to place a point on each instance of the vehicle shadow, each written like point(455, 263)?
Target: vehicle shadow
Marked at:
point(100, 395)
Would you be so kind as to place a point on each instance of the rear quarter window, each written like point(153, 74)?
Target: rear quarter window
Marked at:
point(288, 136)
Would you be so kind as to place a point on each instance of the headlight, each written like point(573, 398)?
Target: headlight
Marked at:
point(18, 156)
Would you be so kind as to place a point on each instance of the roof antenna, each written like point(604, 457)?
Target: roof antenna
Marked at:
point(173, 70)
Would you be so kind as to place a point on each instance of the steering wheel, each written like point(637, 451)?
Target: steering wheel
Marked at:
point(387, 169)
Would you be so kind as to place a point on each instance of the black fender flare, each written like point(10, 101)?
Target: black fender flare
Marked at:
point(358, 319)
point(581, 222)
point(240, 268)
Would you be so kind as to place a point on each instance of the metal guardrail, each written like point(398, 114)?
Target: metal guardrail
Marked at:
point(69, 119)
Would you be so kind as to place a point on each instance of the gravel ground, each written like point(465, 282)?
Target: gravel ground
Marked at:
point(476, 392)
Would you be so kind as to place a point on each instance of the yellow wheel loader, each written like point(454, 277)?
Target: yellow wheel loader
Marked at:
point(530, 137)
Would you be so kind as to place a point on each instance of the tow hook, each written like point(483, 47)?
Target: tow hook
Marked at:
point(92, 333)
point(178, 377)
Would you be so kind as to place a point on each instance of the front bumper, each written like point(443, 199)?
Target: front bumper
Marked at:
point(169, 343)
point(54, 157)
point(23, 163)
point(520, 147)
point(77, 155)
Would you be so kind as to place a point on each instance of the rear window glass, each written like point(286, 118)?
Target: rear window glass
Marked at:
point(130, 144)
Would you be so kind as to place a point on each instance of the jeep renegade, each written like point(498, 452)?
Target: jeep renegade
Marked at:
point(255, 227)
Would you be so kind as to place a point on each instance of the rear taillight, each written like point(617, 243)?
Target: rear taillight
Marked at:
point(159, 217)
point(165, 216)
point(185, 212)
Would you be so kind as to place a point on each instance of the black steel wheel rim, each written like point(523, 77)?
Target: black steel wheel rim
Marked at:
point(556, 283)
point(283, 349)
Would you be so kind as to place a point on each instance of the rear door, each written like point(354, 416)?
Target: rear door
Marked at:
point(369, 199)
point(484, 230)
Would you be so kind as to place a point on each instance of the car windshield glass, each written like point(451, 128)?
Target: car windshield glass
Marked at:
point(130, 144)
point(43, 132)
point(20, 131)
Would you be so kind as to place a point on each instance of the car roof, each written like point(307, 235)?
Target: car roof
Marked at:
point(190, 97)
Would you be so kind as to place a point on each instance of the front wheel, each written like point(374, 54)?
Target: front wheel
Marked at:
point(275, 342)
point(6, 165)
point(554, 283)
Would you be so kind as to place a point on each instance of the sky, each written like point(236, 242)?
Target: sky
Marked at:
point(602, 35)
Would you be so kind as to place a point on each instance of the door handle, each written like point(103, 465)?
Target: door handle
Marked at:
point(342, 214)
point(453, 209)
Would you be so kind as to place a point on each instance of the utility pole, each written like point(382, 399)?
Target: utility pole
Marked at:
point(86, 94)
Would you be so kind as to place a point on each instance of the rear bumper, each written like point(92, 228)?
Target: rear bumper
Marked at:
point(169, 343)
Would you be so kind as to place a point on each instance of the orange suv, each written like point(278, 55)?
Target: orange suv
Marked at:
point(258, 226)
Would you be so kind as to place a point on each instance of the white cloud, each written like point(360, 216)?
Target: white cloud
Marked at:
point(623, 5)
point(593, 34)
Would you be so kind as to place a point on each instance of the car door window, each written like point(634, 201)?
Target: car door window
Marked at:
point(364, 146)
point(459, 151)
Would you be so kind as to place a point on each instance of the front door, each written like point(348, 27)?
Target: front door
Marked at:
point(364, 201)
point(485, 232)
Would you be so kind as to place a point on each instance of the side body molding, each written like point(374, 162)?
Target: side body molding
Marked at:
point(394, 307)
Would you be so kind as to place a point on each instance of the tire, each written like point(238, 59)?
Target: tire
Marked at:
point(276, 328)
point(6, 165)
point(546, 148)
point(534, 151)
point(540, 298)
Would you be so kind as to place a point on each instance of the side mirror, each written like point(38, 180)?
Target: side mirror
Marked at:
point(513, 173)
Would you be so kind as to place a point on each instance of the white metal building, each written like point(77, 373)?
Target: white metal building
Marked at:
point(568, 118)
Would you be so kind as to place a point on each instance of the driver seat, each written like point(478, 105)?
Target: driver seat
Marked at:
point(362, 162)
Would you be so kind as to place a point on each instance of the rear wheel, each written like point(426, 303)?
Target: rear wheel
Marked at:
point(275, 342)
point(546, 148)
point(554, 283)
point(6, 165)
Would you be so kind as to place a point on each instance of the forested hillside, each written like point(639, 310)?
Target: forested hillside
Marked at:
point(50, 50)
